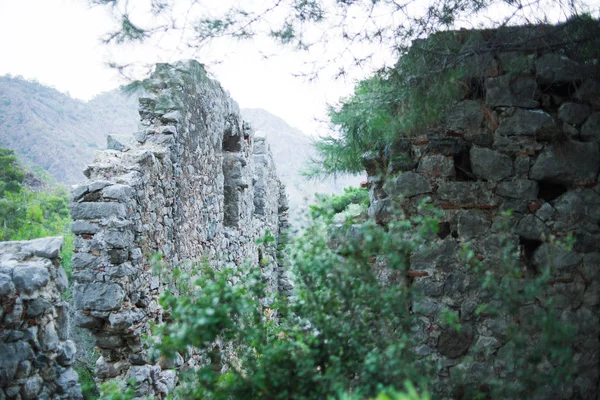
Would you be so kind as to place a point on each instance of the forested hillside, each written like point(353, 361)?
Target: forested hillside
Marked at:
point(60, 134)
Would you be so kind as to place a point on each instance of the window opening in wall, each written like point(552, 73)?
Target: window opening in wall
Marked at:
point(444, 230)
point(549, 191)
point(476, 89)
point(528, 248)
point(462, 166)
point(231, 143)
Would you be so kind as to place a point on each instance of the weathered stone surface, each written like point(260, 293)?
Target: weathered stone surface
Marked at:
point(518, 189)
point(574, 113)
point(472, 223)
point(528, 123)
point(555, 257)
point(98, 296)
point(590, 131)
point(85, 260)
point(466, 116)
point(68, 384)
point(13, 353)
point(509, 91)
point(118, 192)
point(32, 387)
point(489, 164)
point(589, 92)
point(29, 278)
point(97, 210)
point(468, 194)
point(454, 344)
point(568, 162)
point(7, 287)
point(552, 67)
point(437, 165)
point(408, 184)
point(532, 228)
point(84, 227)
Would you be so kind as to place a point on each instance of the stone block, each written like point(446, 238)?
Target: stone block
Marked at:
point(518, 189)
point(574, 113)
point(97, 210)
point(118, 192)
point(568, 163)
point(532, 228)
point(468, 194)
point(489, 164)
point(98, 296)
point(472, 223)
point(535, 123)
point(437, 166)
point(590, 131)
point(556, 68)
point(85, 260)
point(408, 184)
point(589, 92)
point(453, 344)
point(30, 277)
point(510, 91)
point(84, 227)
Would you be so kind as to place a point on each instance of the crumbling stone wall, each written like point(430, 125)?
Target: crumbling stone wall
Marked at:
point(36, 355)
point(526, 137)
point(193, 185)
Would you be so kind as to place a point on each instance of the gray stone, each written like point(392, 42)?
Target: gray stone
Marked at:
point(107, 341)
point(551, 68)
point(117, 239)
point(574, 113)
point(408, 184)
point(118, 142)
point(545, 212)
point(578, 207)
point(468, 194)
point(118, 192)
point(590, 131)
point(466, 116)
point(437, 165)
point(518, 189)
point(98, 296)
point(49, 337)
point(77, 192)
point(472, 223)
point(84, 227)
point(555, 257)
point(453, 344)
point(97, 210)
point(37, 306)
point(98, 185)
point(11, 354)
point(510, 91)
point(85, 260)
point(7, 287)
point(489, 164)
point(535, 123)
point(30, 277)
point(532, 228)
point(568, 163)
point(589, 92)
point(24, 369)
point(68, 384)
point(32, 387)
point(49, 247)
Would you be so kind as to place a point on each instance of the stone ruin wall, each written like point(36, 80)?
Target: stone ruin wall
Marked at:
point(194, 184)
point(36, 355)
point(527, 140)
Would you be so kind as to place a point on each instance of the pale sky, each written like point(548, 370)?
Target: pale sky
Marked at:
point(56, 42)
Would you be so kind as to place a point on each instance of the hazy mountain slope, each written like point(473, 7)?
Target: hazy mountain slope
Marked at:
point(58, 133)
point(291, 149)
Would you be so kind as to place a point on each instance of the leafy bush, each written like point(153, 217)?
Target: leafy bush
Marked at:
point(328, 205)
point(347, 333)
